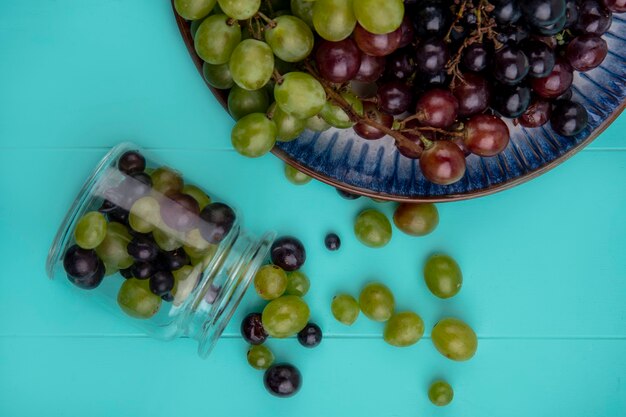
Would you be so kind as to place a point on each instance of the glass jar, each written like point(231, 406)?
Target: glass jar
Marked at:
point(156, 249)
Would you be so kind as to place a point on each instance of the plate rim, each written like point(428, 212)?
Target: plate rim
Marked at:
point(220, 95)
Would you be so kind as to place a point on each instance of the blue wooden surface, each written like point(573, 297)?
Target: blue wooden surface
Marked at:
point(545, 263)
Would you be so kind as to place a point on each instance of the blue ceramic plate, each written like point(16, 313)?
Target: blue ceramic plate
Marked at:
point(376, 169)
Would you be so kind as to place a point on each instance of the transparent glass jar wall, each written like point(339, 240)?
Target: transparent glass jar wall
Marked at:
point(156, 249)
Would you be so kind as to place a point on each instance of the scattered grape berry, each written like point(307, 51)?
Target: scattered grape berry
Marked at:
point(282, 380)
point(332, 242)
point(252, 329)
point(310, 336)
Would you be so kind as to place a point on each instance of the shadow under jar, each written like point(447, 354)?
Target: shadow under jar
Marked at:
point(156, 249)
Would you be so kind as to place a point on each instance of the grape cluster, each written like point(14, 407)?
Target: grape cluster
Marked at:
point(439, 77)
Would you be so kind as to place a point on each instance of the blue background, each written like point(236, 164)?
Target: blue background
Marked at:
point(544, 263)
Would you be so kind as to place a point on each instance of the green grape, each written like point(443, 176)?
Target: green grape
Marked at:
point(377, 302)
point(300, 95)
point(193, 27)
point(112, 250)
point(440, 393)
point(201, 258)
point(290, 38)
point(200, 196)
point(217, 76)
point(136, 299)
point(417, 219)
point(454, 339)
point(185, 280)
point(260, 357)
point(194, 9)
point(145, 215)
point(216, 39)
point(166, 181)
point(317, 124)
point(251, 64)
point(296, 177)
point(166, 241)
point(443, 276)
point(270, 282)
point(404, 329)
point(240, 9)
point(110, 270)
point(345, 309)
point(379, 16)
point(372, 228)
point(243, 102)
point(297, 284)
point(288, 128)
point(196, 243)
point(285, 316)
point(304, 10)
point(254, 135)
point(336, 116)
point(90, 230)
point(334, 20)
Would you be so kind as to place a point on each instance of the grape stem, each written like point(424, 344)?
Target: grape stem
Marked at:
point(277, 77)
point(270, 22)
point(397, 135)
point(459, 16)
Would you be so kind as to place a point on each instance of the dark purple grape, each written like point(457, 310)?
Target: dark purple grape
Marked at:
point(476, 57)
point(310, 336)
point(586, 52)
point(407, 32)
point(429, 81)
point(542, 13)
point(568, 118)
point(142, 248)
point(431, 56)
point(512, 34)
point(282, 380)
point(555, 83)
point(537, 114)
point(540, 58)
point(372, 67)
point(173, 260)
point(252, 329)
point(114, 213)
point(212, 293)
point(332, 242)
point(571, 13)
point(437, 108)
point(338, 62)
point(506, 12)
point(376, 45)
point(131, 162)
point(401, 64)
point(143, 270)
point(369, 132)
point(346, 195)
point(552, 29)
point(83, 267)
point(288, 253)
point(218, 219)
point(126, 273)
point(473, 94)
point(431, 18)
point(594, 18)
point(180, 211)
point(168, 297)
point(511, 102)
point(510, 65)
point(394, 97)
point(567, 95)
point(161, 283)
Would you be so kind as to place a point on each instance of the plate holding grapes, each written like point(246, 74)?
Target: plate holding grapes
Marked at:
point(376, 168)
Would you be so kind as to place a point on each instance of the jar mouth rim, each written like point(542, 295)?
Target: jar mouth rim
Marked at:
point(214, 327)
point(65, 230)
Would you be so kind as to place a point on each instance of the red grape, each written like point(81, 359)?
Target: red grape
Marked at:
point(586, 52)
point(616, 6)
point(407, 31)
point(443, 163)
point(372, 67)
point(537, 114)
point(377, 45)
point(473, 94)
point(338, 62)
point(394, 97)
point(369, 132)
point(486, 135)
point(437, 108)
point(414, 152)
point(593, 18)
point(556, 83)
